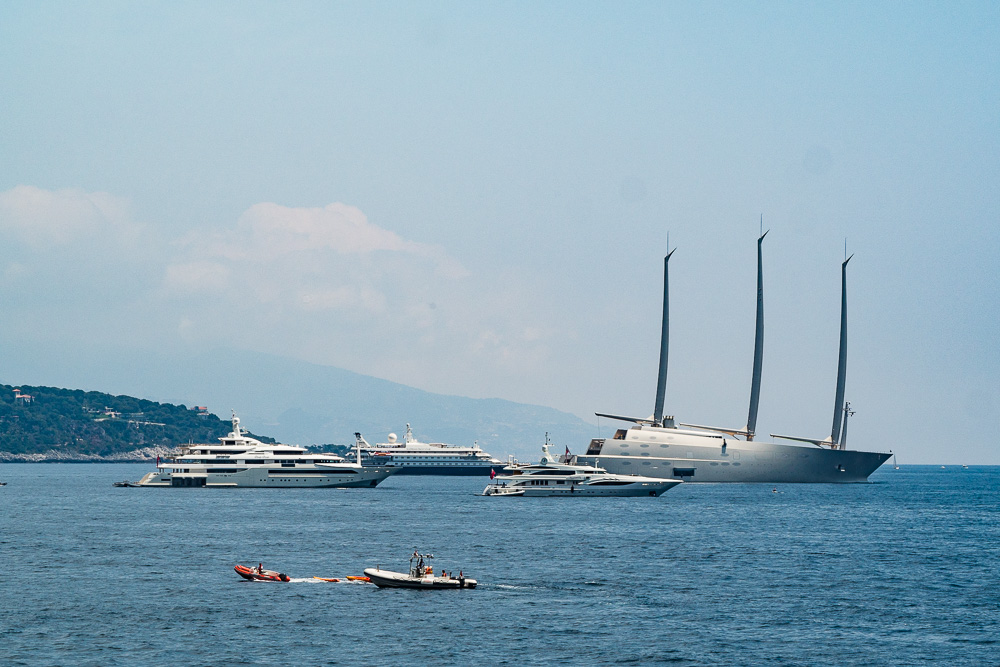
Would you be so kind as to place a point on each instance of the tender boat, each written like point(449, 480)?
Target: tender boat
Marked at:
point(125, 483)
point(421, 575)
point(412, 457)
point(549, 477)
point(260, 574)
point(241, 461)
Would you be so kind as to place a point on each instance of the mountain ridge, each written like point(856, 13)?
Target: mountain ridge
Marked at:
point(302, 403)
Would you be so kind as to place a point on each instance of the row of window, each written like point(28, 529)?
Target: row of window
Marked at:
point(435, 459)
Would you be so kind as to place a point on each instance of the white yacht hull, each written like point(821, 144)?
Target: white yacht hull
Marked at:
point(738, 461)
point(583, 490)
point(387, 579)
point(270, 478)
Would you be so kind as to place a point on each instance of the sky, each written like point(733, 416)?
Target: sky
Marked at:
point(475, 199)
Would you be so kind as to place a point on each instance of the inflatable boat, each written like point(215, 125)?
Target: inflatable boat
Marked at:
point(421, 575)
point(253, 574)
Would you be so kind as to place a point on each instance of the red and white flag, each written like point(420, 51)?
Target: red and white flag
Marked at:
point(493, 473)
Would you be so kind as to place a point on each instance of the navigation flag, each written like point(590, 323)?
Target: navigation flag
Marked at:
point(493, 473)
point(157, 459)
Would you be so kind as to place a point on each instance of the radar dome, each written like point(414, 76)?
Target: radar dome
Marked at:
point(392, 437)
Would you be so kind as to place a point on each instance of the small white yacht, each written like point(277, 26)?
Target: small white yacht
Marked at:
point(412, 457)
point(549, 477)
point(241, 461)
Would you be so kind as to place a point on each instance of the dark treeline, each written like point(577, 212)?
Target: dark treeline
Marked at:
point(35, 420)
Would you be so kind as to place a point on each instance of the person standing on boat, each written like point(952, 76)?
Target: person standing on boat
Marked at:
point(260, 568)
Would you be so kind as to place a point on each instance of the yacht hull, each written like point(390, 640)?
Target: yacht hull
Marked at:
point(387, 579)
point(252, 574)
point(270, 478)
point(637, 489)
point(406, 468)
point(738, 461)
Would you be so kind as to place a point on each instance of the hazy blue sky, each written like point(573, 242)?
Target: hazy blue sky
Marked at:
point(474, 198)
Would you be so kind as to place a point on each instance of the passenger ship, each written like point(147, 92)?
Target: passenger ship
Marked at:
point(242, 461)
point(412, 457)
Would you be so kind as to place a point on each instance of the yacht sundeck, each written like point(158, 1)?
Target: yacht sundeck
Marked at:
point(549, 477)
point(241, 461)
point(412, 457)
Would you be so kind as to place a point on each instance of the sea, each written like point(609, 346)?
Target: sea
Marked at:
point(904, 570)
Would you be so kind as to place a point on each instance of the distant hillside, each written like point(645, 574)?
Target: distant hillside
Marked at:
point(301, 403)
point(46, 423)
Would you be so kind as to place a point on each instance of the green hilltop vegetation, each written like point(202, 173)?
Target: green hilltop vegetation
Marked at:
point(51, 424)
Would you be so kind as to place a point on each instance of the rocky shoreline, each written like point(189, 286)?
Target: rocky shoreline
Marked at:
point(62, 456)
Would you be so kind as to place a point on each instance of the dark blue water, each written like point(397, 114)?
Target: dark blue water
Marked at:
point(900, 571)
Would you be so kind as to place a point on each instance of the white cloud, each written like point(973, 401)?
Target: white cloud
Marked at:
point(322, 284)
point(44, 218)
point(307, 259)
point(267, 231)
point(338, 227)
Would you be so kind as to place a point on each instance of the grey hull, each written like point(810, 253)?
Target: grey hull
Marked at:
point(739, 461)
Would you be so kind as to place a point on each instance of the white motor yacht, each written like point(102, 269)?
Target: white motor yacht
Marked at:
point(241, 461)
point(549, 477)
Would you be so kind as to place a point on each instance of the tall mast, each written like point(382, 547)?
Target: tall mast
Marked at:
point(843, 436)
point(661, 380)
point(838, 408)
point(758, 343)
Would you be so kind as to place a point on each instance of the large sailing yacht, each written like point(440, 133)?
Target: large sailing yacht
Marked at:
point(657, 447)
point(239, 460)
